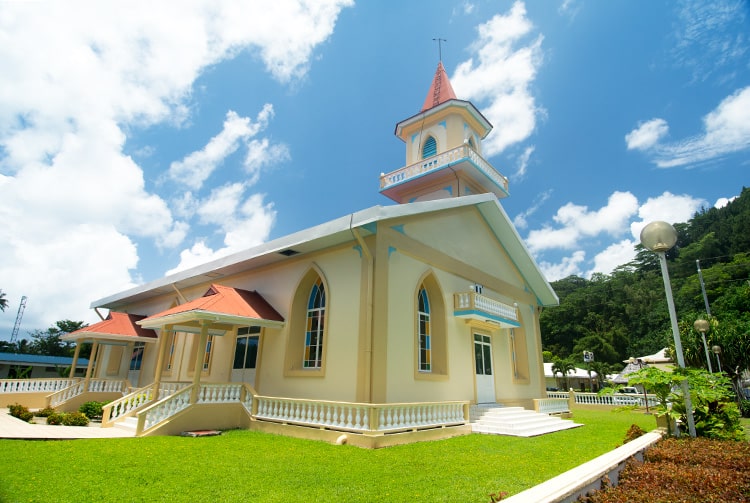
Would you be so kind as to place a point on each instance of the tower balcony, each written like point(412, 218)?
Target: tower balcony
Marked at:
point(462, 161)
point(475, 306)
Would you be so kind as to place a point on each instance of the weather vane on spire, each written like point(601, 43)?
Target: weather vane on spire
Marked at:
point(440, 47)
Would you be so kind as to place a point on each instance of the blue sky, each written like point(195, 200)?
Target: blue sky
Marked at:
point(144, 138)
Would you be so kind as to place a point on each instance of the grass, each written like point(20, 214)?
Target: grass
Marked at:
point(250, 466)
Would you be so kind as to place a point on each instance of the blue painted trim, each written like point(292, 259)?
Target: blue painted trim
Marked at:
point(391, 249)
point(487, 316)
point(449, 189)
point(399, 228)
point(359, 249)
point(371, 227)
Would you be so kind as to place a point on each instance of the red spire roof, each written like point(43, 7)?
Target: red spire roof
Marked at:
point(440, 90)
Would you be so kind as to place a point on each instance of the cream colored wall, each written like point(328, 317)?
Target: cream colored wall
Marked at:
point(449, 128)
point(456, 247)
point(461, 252)
point(341, 270)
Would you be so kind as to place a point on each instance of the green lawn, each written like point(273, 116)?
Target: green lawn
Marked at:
point(250, 466)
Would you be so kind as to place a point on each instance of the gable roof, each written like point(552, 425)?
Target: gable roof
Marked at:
point(440, 90)
point(219, 304)
point(337, 232)
point(117, 326)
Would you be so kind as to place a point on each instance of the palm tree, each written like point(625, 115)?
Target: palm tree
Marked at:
point(562, 366)
point(3, 301)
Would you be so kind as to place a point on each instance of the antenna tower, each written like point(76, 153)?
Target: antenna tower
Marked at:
point(21, 307)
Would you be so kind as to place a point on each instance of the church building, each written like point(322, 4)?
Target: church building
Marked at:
point(393, 319)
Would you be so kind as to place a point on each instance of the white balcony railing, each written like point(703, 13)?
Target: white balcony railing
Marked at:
point(453, 156)
point(475, 305)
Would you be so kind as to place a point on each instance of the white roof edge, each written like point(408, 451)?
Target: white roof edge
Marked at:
point(343, 224)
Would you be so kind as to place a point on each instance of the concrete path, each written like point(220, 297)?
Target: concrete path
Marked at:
point(11, 427)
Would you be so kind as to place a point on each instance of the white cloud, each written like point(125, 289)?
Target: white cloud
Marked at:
point(667, 207)
point(73, 201)
point(647, 134)
point(726, 130)
point(520, 220)
point(498, 78)
point(583, 231)
point(613, 256)
point(244, 225)
point(568, 266)
point(523, 162)
point(723, 201)
point(577, 222)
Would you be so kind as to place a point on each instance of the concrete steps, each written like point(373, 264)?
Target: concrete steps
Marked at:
point(130, 423)
point(494, 419)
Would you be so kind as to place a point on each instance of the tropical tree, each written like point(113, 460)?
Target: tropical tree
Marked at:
point(48, 342)
point(3, 301)
point(562, 366)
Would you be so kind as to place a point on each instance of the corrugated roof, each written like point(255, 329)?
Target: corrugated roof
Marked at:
point(225, 300)
point(440, 90)
point(18, 359)
point(117, 325)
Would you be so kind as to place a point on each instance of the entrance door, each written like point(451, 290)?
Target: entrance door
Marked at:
point(483, 366)
point(245, 355)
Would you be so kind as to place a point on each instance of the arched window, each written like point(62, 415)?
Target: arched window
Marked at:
point(429, 148)
point(316, 314)
point(425, 349)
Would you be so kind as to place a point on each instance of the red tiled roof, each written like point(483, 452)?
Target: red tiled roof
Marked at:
point(120, 324)
point(440, 90)
point(229, 301)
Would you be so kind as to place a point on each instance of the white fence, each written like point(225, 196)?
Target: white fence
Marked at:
point(35, 385)
point(614, 399)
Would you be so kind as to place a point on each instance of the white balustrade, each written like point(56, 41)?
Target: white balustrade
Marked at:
point(441, 160)
point(477, 301)
point(357, 416)
point(63, 395)
point(166, 408)
point(615, 399)
point(106, 386)
point(551, 405)
point(35, 385)
point(219, 393)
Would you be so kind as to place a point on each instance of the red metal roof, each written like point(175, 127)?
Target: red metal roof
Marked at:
point(120, 324)
point(227, 300)
point(440, 90)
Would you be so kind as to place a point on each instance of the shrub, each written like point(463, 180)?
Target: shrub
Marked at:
point(699, 470)
point(92, 409)
point(45, 412)
point(21, 412)
point(745, 408)
point(634, 432)
point(75, 419)
point(55, 418)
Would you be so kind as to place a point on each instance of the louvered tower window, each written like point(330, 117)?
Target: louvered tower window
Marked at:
point(429, 148)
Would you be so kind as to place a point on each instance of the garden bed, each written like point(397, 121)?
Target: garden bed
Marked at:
point(689, 470)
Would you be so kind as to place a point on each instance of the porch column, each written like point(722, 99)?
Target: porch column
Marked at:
point(75, 360)
point(198, 366)
point(164, 336)
point(92, 359)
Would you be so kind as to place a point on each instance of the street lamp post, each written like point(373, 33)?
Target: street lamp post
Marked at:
point(639, 362)
point(660, 237)
point(717, 351)
point(702, 326)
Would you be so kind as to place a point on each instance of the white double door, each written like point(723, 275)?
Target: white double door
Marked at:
point(483, 368)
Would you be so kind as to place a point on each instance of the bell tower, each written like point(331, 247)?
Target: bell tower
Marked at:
point(443, 150)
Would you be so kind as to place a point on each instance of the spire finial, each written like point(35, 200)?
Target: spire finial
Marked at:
point(440, 47)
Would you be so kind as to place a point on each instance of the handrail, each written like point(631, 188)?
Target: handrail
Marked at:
point(362, 417)
point(472, 301)
point(440, 160)
point(614, 399)
point(35, 385)
point(127, 405)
